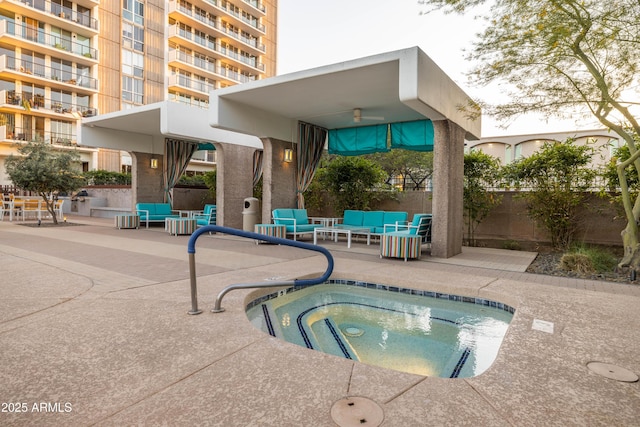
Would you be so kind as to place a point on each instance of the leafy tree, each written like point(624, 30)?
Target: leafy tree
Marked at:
point(350, 180)
point(481, 171)
point(415, 167)
point(210, 180)
point(612, 180)
point(564, 57)
point(555, 180)
point(42, 170)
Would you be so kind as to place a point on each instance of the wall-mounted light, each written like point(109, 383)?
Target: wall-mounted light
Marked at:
point(154, 163)
point(288, 155)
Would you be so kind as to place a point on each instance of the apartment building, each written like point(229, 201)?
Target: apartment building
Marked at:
point(64, 60)
point(513, 147)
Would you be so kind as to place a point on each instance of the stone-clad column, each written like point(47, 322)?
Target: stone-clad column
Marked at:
point(278, 177)
point(234, 183)
point(448, 176)
point(146, 183)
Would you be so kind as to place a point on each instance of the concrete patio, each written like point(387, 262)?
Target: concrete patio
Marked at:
point(94, 330)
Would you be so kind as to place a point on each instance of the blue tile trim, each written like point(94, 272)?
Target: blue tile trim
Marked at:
point(267, 319)
point(461, 362)
point(428, 294)
point(336, 336)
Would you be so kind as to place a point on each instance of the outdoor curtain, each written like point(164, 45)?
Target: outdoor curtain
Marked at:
point(358, 140)
point(257, 166)
point(416, 136)
point(312, 139)
point(177, 154)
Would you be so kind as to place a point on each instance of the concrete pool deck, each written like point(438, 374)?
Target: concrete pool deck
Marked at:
point(94, 330)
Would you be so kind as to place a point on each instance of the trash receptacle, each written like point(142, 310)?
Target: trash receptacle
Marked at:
point(250, 213)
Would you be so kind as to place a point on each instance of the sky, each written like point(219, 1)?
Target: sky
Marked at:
point(313, 33)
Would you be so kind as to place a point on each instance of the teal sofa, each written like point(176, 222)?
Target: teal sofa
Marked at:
point(296, 221)
point(374, 221)
point(154, 212)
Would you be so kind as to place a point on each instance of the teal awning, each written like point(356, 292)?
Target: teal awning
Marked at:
point(358, 140)
point(206, 146)
point(416, 136)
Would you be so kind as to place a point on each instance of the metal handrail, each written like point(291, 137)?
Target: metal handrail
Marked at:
point(191, 249)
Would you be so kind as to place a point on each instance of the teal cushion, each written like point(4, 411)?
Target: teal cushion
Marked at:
point(145, 207)
point(279, 214)
point(352, 217)
point(373, 219)
point(163, 209)
point(301, 216)
point(393, 217)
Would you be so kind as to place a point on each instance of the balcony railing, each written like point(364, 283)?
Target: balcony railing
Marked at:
point(35, 35)
point(29, 101)
point(255, 24)
point(15, 133)
point(52, 74)
point(256, 4)
point(192, 84)
point(209, 66)
point(216, 47)
point(218, 26)
point(62, 12)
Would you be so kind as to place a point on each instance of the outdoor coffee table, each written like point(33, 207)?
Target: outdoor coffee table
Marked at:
point(176, 226)
point(400, 244)
point(127, 221)
point(274, 230)
point(337, 230)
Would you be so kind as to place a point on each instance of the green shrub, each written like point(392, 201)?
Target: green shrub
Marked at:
point(588, 259)
point(512, 245)
point(103, 177)
point(192, 181)
point(579, 263)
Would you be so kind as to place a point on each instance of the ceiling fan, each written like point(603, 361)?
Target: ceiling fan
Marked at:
point(358, 117)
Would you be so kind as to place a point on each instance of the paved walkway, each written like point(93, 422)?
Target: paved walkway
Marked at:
point(94, 331)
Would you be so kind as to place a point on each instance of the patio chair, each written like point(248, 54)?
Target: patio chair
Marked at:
point(420, 225)
point(207, 217)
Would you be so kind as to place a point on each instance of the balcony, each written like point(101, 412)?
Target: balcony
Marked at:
point(55, 14)
point(26, 71)
point(249, 24)
point(191, 86)
point(254, 44)
point(32, 38)
point(211, 26)
point(14, 134)
point(189, 63)
point(38, 105)
point(256, 6)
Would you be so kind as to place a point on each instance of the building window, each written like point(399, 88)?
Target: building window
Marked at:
point(133, 10)
point(132, 90)
point(132, 64)
point(133, 37)
point(62, 132)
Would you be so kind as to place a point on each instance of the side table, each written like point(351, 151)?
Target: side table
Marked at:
point(176, 226)
point(127, 221)
point(400, 245)
point(274, 230)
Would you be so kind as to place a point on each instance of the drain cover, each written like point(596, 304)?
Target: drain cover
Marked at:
point(352, 331)
point(612, 372)
point(357, 411)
